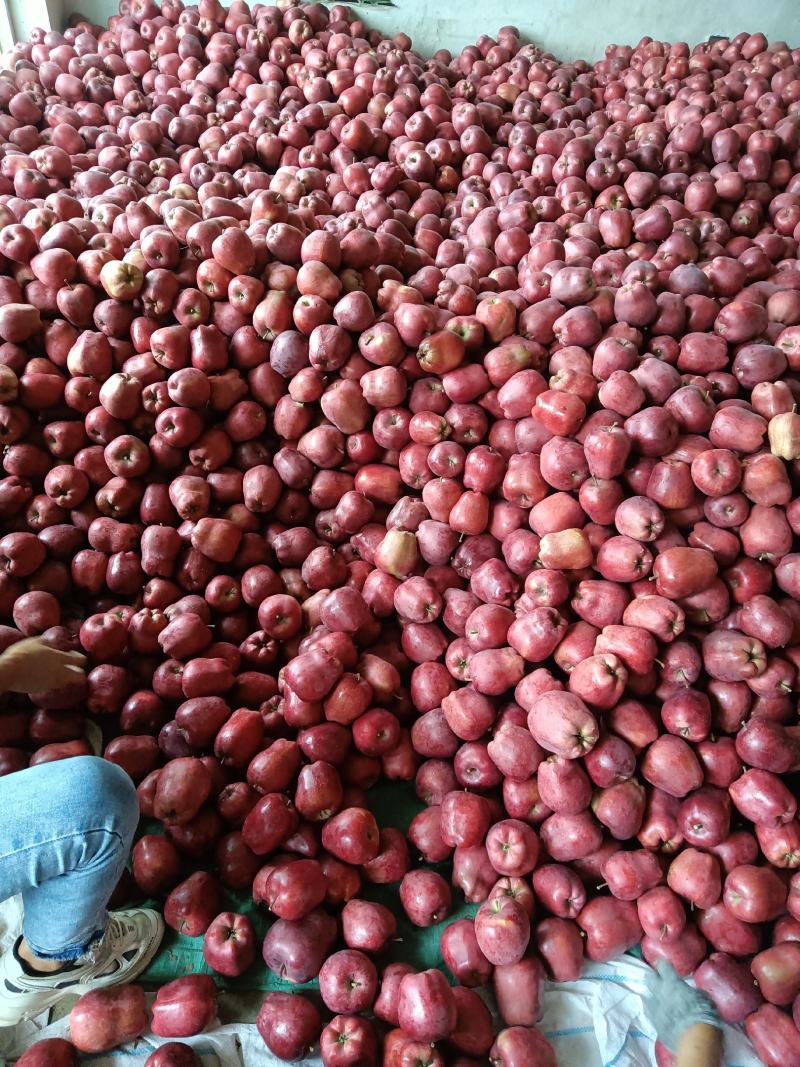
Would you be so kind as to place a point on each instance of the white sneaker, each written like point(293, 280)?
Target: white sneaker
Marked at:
point(129, 944)
point(93, 736)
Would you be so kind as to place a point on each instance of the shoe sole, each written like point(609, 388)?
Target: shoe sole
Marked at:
point(122, 977)
point(45, 1004)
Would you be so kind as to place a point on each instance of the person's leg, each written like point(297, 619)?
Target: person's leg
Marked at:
point(66, 833)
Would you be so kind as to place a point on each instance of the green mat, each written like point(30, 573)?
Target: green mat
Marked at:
point(393, 804)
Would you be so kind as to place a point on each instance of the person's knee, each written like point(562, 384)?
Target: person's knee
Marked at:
point(107, 789)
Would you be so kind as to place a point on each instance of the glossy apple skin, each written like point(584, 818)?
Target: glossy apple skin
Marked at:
point(559, 889)
point(193, 904)
point(695, 876)
point(173, 1054)
point(502, 928)
point(631, 874)
point(754, 894)
point(611, 927)
point(296, 950)
point(293, 890)
point(684, 953)
point(462, 954)
point(730, 985)
point(562, 724)
point(680, 572)
point(289, 1024)
point(348, 980)
point(105, 1018)
point(50, 1052)
point(185, 1006)
point(774, 1036)
point(386, 1004)
point(661, 913)
point(560, 944)
point(763, 798)
point(182, 787)
point(426, 1007)
point(429, 425)
point(776, 971)
point(671, 765)
point(229, 944)
point(348, 1040)
point(156, 864)
point(519, 991)
point(519, 1045)
point(727, 932)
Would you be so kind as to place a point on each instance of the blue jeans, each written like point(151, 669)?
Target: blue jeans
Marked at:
point(65, 835)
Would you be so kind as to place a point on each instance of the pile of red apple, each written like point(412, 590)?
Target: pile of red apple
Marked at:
point(366, 416)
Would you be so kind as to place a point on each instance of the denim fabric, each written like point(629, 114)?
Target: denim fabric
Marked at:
point(65, 834)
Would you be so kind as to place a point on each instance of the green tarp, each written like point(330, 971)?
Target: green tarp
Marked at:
point(393, 804)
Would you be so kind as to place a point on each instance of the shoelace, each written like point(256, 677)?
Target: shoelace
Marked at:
point(98, 949)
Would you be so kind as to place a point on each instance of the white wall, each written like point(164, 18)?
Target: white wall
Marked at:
point(580, 29)
point(571, 29)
